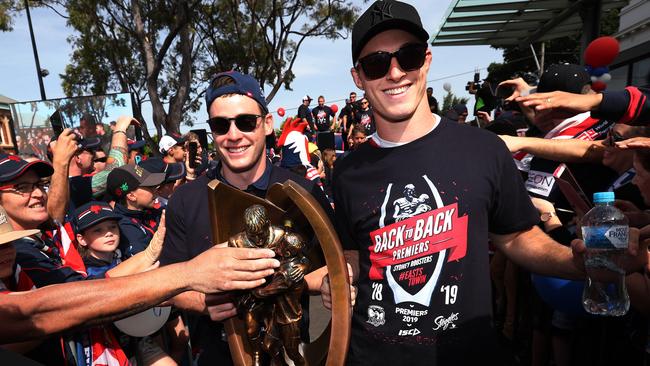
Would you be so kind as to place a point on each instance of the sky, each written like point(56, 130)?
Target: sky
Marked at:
point(322, 66)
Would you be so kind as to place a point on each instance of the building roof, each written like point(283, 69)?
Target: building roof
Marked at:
point(512, 22)
point(6, 100)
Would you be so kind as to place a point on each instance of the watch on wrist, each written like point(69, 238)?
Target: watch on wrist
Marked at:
point(546, 216)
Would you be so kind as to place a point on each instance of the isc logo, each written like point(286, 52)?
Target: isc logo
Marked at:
point(409, 332)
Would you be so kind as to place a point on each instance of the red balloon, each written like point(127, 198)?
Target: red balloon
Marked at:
point(598, 86)
point(281, 112)
point(601, 51)
point(334, 108)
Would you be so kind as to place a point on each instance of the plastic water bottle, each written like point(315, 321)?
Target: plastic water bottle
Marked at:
point(605, 231)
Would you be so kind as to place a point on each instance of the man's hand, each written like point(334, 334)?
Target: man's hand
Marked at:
point(634, 143)
point(519, 85)
point(123, 122)
point(64, 148)
point(484, 117)
point(226, 269)
point(326, 291)
point(220, 306)
point(514, 143)
point(559, 104)
point(635, 258)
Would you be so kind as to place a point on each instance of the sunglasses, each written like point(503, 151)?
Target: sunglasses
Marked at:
point(410, 57)
point(244, 123)
point(100, 160)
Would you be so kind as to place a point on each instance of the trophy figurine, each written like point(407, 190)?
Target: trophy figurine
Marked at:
point(272, 312)
point(267, 327)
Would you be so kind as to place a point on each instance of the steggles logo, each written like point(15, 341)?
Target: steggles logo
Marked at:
point(3, 218)
point(444, 323)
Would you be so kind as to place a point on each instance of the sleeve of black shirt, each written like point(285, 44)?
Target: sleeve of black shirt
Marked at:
point(511, 209)
point(175, 248)
point(625, 106)
point(41, 269)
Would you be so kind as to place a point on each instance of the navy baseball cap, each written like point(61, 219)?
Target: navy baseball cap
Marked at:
point(135, 145)
point(173, 171)
point(89, 143)
point(244, 85)
point(382, 16)
point(128, 178)
point(12, 167)
point(93, 213)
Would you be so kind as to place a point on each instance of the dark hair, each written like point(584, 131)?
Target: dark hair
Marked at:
point(358, 129)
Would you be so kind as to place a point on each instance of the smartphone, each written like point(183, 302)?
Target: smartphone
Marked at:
point(56, 121)
point(572, 190)
point(192, 148)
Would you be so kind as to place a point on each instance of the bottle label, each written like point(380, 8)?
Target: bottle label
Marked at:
point(606, 237)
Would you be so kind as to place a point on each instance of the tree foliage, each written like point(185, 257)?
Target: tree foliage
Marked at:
point(450, 100)
point(164, 51)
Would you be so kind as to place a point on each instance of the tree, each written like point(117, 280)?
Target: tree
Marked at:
point(165, 51)
point(451, 100)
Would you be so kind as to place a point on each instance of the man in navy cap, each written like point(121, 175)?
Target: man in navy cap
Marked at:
point(240, 121)
point(424, 286)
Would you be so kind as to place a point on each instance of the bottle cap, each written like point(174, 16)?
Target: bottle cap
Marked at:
point(603, 197)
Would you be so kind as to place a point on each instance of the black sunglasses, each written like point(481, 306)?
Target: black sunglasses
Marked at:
point(410, 57)
point(244, 123)
point(100, 160)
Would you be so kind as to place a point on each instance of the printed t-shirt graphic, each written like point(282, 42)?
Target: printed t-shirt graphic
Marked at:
point(322, 118)
point(418, 214)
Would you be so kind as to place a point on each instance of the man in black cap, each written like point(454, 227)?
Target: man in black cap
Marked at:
point(424, 287)
point(240, 121)
point(134, 190)
point(305, 113)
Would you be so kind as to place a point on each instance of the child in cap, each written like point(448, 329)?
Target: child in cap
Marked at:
point(98, 237)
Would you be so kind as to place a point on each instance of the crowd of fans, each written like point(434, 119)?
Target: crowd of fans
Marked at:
point(96, 210)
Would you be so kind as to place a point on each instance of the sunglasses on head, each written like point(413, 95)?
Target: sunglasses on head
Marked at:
point(410, 57)
point(244, 123)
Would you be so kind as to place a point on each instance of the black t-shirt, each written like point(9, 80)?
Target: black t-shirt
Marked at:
point(419, 215)
point(349, 111)
point(304, 112)
point(365, 119)
point(322, 117)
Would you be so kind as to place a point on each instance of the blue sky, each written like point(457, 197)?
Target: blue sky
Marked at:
point(322, 67)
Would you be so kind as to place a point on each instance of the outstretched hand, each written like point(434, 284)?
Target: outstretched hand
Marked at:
point(634, 259)
point(326, 290)
point(221, 269)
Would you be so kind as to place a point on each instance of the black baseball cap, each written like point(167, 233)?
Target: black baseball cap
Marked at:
point(243, 85)
point(12, 167)
point(129, 177)
point(93, 213)
point(382, 16)
point(172, 171)
point(568, 78)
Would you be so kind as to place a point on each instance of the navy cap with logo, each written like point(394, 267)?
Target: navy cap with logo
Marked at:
point(172, 171)
point(382, 16)
point(93, 213)
point(129, 177)
point(12, 167)
point(244, 85)
point(570, 78)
